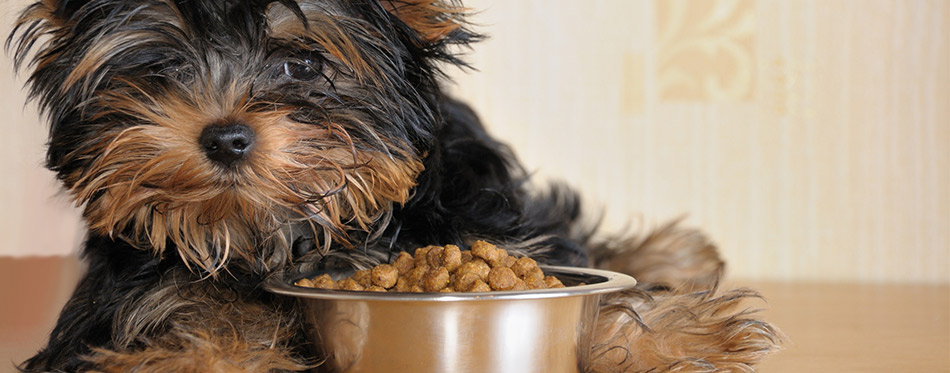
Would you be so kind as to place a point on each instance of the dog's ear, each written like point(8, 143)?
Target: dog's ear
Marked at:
point(57, 13)
point(45, 17)
point(434, 20)
point(65, 9)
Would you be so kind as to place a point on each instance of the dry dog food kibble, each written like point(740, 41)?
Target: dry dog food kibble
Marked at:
point(445, 269)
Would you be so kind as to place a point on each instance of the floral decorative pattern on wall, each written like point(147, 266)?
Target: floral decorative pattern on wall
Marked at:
point(706, 50)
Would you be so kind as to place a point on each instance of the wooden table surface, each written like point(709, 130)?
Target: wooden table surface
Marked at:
point(858, 327)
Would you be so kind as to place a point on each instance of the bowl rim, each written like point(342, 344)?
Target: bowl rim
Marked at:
point(613, 281)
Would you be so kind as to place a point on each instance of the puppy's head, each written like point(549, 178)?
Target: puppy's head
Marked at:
point(230, 129)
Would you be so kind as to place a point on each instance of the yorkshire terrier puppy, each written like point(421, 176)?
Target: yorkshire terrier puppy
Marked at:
point(211, 143)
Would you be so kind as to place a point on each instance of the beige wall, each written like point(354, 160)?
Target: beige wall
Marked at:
point(35, 218)
point(808, 138)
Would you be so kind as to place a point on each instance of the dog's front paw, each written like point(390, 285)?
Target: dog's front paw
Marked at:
point(666, 332)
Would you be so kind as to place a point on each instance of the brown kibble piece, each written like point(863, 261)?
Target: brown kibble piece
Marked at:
point(304, 282)
point(519, 285)
point(363, 278)
point(402, 285)
point(376, 288)
point(451, 257)
point(484, 250)
point(403, 263)
point(420, 255)
point(507, 261)
point(523, 266)
point(466, 280)
point(553, 282)
point(535, 283)
point(502, 278)
point(324, 281)
point(351, 284)
point(436, 279)
point(434, 256)
point(533, 275)
point(416, 275)
point(479, 287)
point(384, 275)
point(476, 266)
point(498, 259)
point(466, 256)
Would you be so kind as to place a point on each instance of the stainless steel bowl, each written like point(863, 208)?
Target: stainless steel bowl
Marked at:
point(545, 330)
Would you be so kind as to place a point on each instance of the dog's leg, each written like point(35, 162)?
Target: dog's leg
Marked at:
point(675, 320)
point(215, 335)
point(698, 332)
point(189, 350)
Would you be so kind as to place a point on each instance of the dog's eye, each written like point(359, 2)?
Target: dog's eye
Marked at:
point(303, 70)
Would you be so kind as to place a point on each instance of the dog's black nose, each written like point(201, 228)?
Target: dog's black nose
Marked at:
point(227, 144)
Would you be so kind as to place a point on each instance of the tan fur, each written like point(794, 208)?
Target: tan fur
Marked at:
point(196, 352)
point(323, 30)
point(188, 326)
point(40, 15)
point(695, 332)
point(671, 256)
point(118, 43)
point(676, 320)
point(155, 177)
point(432, 19)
